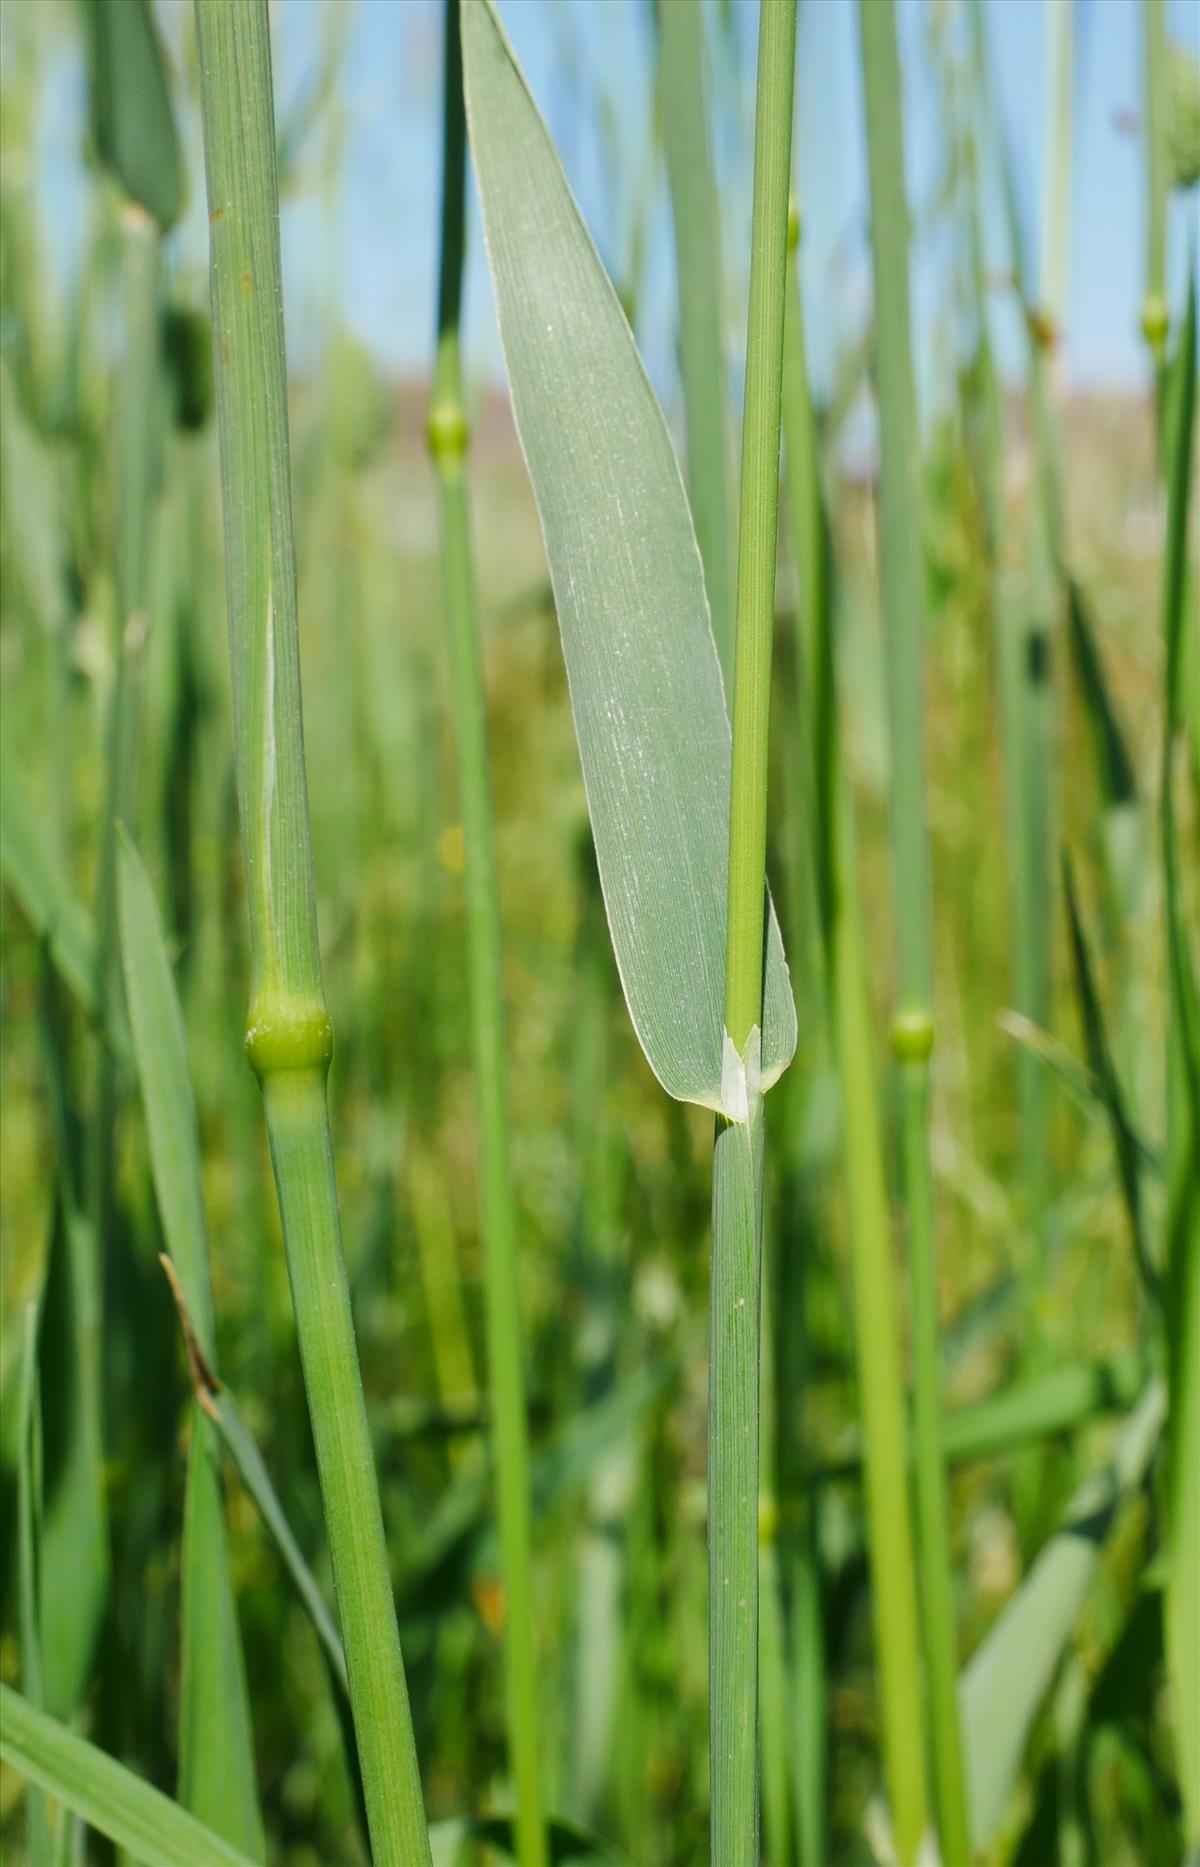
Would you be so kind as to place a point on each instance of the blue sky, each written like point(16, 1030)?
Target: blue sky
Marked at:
point(360, 234)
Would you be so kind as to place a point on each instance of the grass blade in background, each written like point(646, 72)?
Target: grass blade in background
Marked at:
point(447, 427)
point(1182, 1306)
point(29, 865)
point(876, 1311)
point(912, 1018)
point(630, 593)
point(216, 1739)
point(110, 1798)
point(288, 1035)
point(1004, 1686)
point(1024, 627)
point(696, 219)
point(29, 1511)
point(1155, 137)
point(1129, 1158)
point(132, 119)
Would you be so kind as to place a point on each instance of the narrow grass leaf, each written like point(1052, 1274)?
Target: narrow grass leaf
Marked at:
point(646, 691)
point(1080, 1083)
point(1104, 1072)
point(160, 1051)
point(1005, 1685)
point(110, 1798)
point(216, 1740)
point(1046, 1406)
point(74, 1562)
point(29, 1511)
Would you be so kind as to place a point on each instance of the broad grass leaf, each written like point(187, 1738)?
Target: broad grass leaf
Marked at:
point(1005, 1685)
point(110, 1798)
point(642, 667)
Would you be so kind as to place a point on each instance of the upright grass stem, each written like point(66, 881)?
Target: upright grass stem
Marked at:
point(912, 1025)
point(288, 1034)
point(510, 1435)
point(738, 1154)
point(873, 1284)
point(698, 273)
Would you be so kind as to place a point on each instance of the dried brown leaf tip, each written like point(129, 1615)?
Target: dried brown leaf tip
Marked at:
point(204, 1381)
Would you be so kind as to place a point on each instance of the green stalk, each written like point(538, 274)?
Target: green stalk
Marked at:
point(1025, 680)
point(912, 1024)
point(738, 1153)
point(1182, 1307)
point(1156, 106)
point(777, 1713)
point(698, 274)
point(288, 1034)
point(873, 1286)
point(810, 550)
point(506, 1384)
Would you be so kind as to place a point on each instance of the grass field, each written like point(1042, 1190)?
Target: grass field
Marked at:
point(150, 1601)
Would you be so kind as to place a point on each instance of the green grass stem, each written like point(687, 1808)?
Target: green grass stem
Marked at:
point(448, 433)
point(1182, 1308)
point(912, 1025)
point(734, 1342)
point(288, 1033)
point(875, 1306)
point(1155, 135)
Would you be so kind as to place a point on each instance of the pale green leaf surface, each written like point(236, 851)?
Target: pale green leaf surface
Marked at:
point(645, 683)
point(110, 1798)
point(1005, 1685)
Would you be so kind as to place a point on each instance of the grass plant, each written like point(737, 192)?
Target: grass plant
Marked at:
point(506, 1382)
point(289, 1039)
point(912, 1032)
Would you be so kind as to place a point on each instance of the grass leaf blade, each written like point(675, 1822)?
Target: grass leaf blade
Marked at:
point(646, 689)
point(110, 1798)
